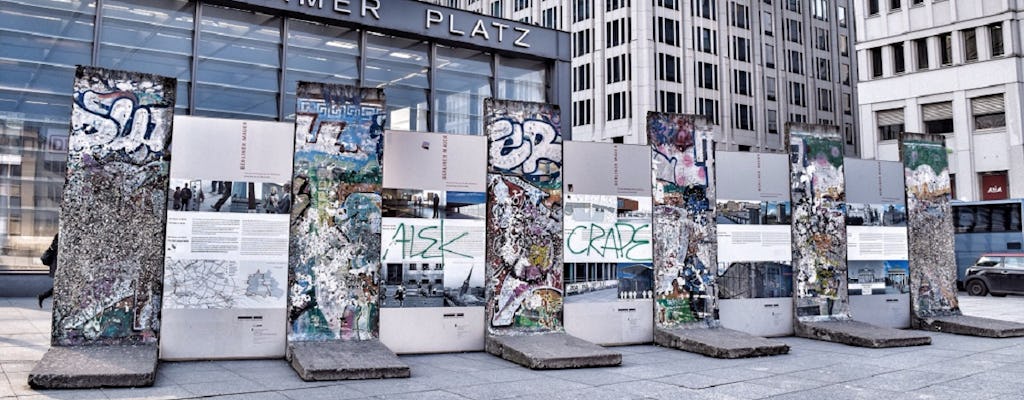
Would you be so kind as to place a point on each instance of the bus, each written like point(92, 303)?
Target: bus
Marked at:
point(992, 226)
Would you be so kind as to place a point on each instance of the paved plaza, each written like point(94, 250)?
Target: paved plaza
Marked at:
point(953, 367)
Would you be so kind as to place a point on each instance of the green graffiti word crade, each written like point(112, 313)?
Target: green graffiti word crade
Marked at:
point(620, 240)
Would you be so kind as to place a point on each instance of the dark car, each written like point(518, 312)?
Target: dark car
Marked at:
point(996, 273)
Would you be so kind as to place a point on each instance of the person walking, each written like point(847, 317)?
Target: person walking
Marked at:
point(436, 200)
point(177, 198)
point(49, 259)
point(186, 198)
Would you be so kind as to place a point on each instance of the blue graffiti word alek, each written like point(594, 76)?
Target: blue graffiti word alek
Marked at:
point(424, 242)
point(620, 239)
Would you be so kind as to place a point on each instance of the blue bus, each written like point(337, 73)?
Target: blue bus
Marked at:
point(992, 226)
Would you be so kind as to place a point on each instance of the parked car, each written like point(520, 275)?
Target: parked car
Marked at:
point(998, 274)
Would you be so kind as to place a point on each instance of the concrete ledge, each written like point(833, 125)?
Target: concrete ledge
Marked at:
point(341, 360)
point(856, 333)
point(81, 367)
point(551, 351)
point(718, 342)
point(973, 326)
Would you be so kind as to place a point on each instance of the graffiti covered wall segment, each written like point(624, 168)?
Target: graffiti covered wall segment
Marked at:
point(108, 288)
point(334, 259)
point(684, 220)
point(819, 228)
point(930, 225)
point(524, 218)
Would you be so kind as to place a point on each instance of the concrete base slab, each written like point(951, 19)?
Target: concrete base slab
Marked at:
point(718, 342)
point(973, 326)
point(856, 333)
point(551, 351)
point(341, 360)
point(80, 367)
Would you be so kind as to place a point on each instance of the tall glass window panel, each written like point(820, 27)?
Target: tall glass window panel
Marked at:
point(522, 79)
point(150, 36)
point(42, 41)
point(463, 81)
point(318, 53)
point(239, 60)
point(400, 66)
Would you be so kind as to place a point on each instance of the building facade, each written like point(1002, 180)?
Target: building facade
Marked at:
point(949, 67)
point(750, 66)
point(242, 59)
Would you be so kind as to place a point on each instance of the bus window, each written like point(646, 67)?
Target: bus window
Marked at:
point(982, 219)
point(964, 218)
point(998, 218)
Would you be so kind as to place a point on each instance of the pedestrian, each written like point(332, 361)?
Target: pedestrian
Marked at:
point(186, 198)
point(284, 205)
point(49, 259)
point(177, 198)
point(436, 199)
point(225, 195)
point(400, 295)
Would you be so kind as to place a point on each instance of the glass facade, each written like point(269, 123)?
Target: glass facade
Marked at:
point(230, 63)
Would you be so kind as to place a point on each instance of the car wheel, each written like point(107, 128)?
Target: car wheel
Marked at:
point(976, 288)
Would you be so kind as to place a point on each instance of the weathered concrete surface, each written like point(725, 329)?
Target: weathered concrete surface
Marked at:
point(856, 333)
point(341, 360)
point(973, 326)
point(551, 351)
point(79, 367)
point(718, 342)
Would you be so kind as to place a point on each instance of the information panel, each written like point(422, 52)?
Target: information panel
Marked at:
point(432, 242)
point(609, 281)
point(755, 274)
point(226, 266)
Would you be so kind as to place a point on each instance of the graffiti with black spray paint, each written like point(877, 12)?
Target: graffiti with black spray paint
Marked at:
point(818, 194)
point(685, 250)
point(524, 217)
point(930, 225)
point(334, 255)
point(108, 286)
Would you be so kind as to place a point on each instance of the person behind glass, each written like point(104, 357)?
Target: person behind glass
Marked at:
point(225, 195)
point(436, 200)
point(284, 204)
point(49, 259)
point(186, 198)
point(177, 198)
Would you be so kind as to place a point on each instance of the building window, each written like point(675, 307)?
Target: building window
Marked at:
point(520, 5)
point(772, 119)
point(841, 16)
point(848, 134)
point(769, 56)
point(797, 117)
point(767, 23)
point(793, 5)
point(796, 61)
point(708, 108)
point(617, 68)
point(519, 79)
point(825, 100)
point(946, 49)
point(617, 32)
point(819, 9)
point(847, 104)
point(550, 18)
point(794, 31)
point(821, 39)
point(988, 112)
point(668, 68)
point(741, 49)
point(876, 62)
point(668, 31)
point(583, 10)
point(844, 74)
point(898, 64)
point(670, 101)
point(581, 42)
point(744, 118)
point(797, 94)
point(582, 77)
point(890, 123)
point(824, 69)
point(921, 48)
point(670, 4)
point(873, 7)
point(895, 5)
point(582, 112)
point(496, 8)
point(995, 35)
point(616, 105)
point(844, 45)
point(769, 88)
point(938, 117)
point(970, 45)
point(707, 40)
point(741, 82)
point(740, 16)
point(704, 8)
point(707, 75)
point(611, 5)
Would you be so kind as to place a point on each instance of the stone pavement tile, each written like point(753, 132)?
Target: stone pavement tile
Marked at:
point(252, 396)
point(176, 366)
point(24, 339)
point(654, 358)
point(638, 389)
point(898, 361)
point(538, 387)
point(590, 376)
point(901, 381)
point(734, 374)
point(962, 367)
point(966, 343)
point(453, 362)
point(486, 358)
point(147, 393)
point(690, 394)
point(18, 326)
point(636, 349)
point(942, 392)
point(22, 353)
point(997, 357)
point(276, 379)
point(942, 353)
point(505, 375)
point(220, 388)
point(591, 393)
point(429, 395)
point(185, 376)
point(333, 392)
point(17, 366)
point(692, 380)
point(788, 383)
point(786, 364)
point(842, 372)
point(243, 366)
point(7, 314)
point(653, 371)
point(66, 395)
point(375, 387)
point(841, 392)
point(746, 390)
